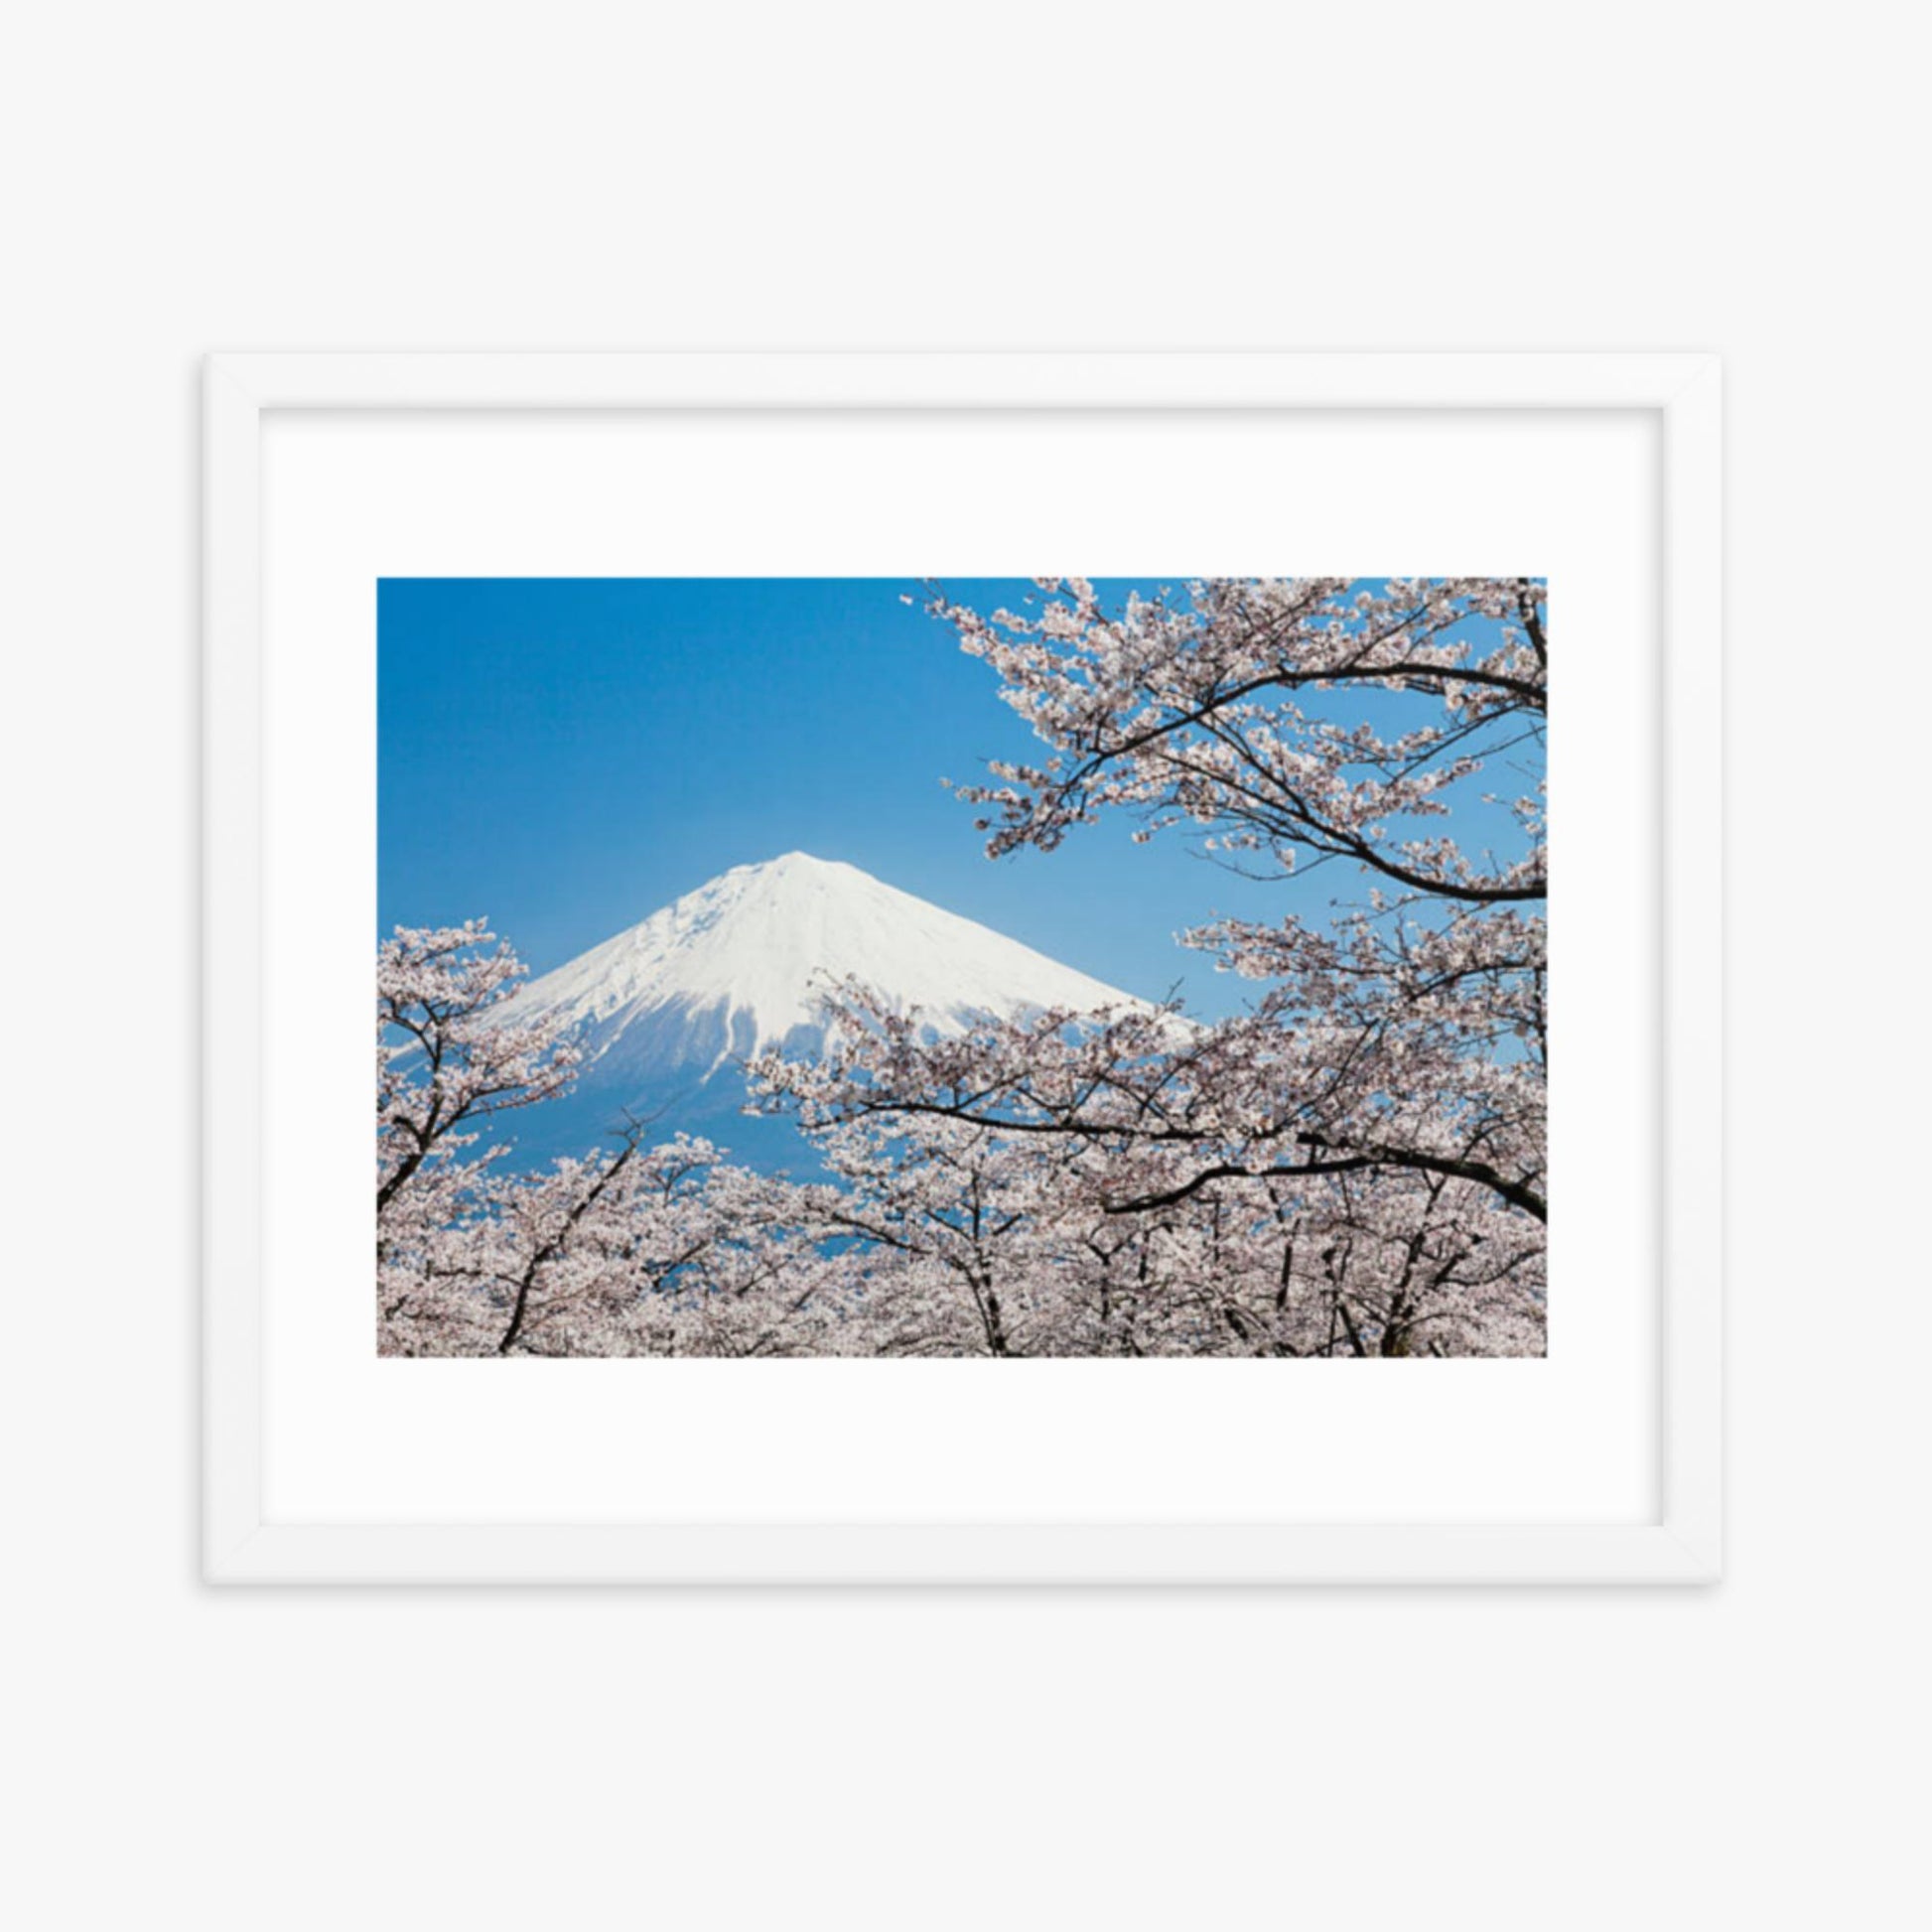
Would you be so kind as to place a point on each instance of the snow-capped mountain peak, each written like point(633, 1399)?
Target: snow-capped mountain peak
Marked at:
point(738, 966)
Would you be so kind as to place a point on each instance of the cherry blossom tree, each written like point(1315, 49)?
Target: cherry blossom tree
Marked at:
point(1023, 1236)
point(1390, 1081)
point(947, 1230)
point(662, 1250)
point(627, 1249)
point(446, 1065)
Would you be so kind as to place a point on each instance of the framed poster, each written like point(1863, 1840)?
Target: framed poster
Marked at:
point(895, 1069)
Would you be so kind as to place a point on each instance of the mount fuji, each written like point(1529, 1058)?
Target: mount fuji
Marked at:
point(666, 1012)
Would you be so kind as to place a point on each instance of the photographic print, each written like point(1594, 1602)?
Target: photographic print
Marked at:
point(1031, 968)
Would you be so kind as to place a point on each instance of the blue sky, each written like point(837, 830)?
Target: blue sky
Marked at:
point(567, 755)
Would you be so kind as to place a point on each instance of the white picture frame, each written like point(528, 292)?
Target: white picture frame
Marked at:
point(242, 1543)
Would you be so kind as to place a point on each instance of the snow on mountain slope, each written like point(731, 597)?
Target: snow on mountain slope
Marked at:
point(736, 967)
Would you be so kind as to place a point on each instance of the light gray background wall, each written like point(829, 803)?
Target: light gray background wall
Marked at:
point(198, 176)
